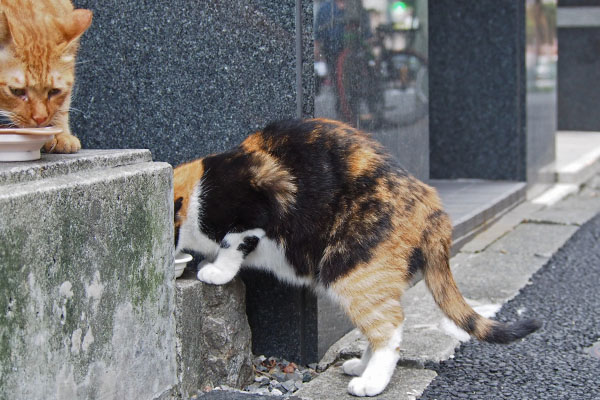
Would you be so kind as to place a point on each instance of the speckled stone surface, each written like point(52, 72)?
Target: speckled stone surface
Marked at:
point(185, 79)
point(283, 319)
point(578, 3)
point(477, 90)
point(578, 78)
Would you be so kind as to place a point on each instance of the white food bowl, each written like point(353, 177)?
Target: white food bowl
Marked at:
point(181, 261)
point(24, 144)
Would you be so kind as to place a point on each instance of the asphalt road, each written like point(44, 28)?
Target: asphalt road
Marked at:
point(552, 363)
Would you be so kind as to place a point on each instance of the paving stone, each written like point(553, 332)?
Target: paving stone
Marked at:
point(406, 383)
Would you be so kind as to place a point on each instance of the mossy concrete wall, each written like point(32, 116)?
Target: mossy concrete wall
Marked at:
point(86, 278)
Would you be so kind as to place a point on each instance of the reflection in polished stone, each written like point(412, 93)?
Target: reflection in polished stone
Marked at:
point(371, 69)
point(541, 59)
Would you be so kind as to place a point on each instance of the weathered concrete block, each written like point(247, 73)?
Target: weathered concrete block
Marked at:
point(213, 334)
point(87, 288)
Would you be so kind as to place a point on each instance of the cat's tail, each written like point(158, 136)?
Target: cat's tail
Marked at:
point(439, 279)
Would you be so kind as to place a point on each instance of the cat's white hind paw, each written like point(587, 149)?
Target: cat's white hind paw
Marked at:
point(214, 275)
point(354, 367)
point(367, 386)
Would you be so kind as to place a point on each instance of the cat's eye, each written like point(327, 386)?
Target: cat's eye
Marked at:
point(53, 92)
point(18, 92)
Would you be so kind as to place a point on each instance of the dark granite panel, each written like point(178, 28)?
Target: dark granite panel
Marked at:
point(578, 3)
point(283, 319)
point(578, 79)
point(477, 91)
point(308, 60)
point(184, 79)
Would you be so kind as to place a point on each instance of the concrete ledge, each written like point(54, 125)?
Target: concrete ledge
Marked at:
point(473, 205)
point(87, 289)
point(52, 165)
point(577, 156)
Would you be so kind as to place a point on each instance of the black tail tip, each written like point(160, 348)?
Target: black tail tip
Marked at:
point(506, 333)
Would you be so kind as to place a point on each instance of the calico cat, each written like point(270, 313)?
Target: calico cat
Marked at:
point(38, 44)
point(320, 204)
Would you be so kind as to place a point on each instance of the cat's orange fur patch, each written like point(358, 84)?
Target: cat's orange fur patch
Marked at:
point(268, 173)
point(184, 181)
point(362, 160)
point(254, 143)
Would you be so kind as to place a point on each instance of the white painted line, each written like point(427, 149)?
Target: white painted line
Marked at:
point(582, 162)
point(555, 194)
point(578, 17)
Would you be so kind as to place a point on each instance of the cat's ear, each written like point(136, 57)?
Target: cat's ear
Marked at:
point(74, 26)
point(4, 30)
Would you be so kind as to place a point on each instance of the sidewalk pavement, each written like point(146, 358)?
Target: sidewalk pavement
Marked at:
point(489, 270)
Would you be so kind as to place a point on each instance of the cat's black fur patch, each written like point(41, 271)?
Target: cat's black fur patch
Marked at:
point(470, 323)
point(416, 261)
point(319, 167)
point(506, 333)
point(248, 245)
point(177, 206)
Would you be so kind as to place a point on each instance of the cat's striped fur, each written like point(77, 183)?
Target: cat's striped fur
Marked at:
point(319, 203)
point(38, 44)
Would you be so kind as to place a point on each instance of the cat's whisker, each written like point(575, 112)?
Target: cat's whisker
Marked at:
point(83, 62)
point(77, 110)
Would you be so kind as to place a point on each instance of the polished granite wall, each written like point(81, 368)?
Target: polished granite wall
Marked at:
point(186, 79)
point(579, 65)
point(477, 89)
point(541, 55)
point(373, 55)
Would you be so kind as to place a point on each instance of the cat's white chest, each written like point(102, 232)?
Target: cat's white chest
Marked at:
point(269, 256)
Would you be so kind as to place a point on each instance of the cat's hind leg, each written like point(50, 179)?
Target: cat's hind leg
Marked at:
point(371, 297)
point(234, 248)
point(379, 368)
point(356, 366)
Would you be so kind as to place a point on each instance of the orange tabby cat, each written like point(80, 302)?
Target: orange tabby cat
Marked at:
point(38, 43)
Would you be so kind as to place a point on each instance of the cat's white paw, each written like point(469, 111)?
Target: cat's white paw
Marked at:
point(367, 386)
point(213, 275)
point(354, 367)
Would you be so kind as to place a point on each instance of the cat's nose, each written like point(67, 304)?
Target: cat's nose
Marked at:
point(39, 119)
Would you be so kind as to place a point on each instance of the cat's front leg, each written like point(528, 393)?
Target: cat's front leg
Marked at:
point(64, 142)
point(234, 248)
